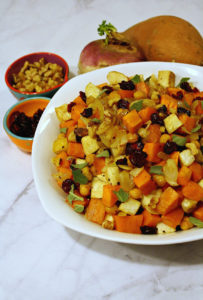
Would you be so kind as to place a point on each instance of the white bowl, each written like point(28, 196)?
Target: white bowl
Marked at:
point(52, 198)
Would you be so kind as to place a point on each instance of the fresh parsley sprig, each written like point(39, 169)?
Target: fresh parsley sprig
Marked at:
point(122, 195)
point(107, 29)
point(196, 222)
point(72, 196)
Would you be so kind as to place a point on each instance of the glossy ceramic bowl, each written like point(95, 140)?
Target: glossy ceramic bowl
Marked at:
point(52, 198)
point(15, 67)
point(29, 107)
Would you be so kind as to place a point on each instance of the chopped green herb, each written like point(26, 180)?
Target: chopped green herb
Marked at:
point(104, 153)
point(196, 222)
point(201, 148)
point(137, 105)
point(107, 29)
point(198, 127)
point(156, 170)
point(63, 130)
point(186, 104)
point(102, 92)
point(122, 195)
point(179, 140)
point(79, 166)
point(79, 177)
point(79, 208)
point(202, 104)
point(95, 120)
point(136, 79)
point(184, 79)
point(72, 196)
point(147, 79)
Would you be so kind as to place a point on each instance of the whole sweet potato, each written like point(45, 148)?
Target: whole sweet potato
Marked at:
point(168, 38)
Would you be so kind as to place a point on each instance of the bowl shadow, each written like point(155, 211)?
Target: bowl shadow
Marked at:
point(179, 254)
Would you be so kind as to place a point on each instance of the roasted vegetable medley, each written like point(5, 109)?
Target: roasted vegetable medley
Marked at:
point(129, 153)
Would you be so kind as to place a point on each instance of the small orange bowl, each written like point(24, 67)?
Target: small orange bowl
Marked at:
point(29, 107)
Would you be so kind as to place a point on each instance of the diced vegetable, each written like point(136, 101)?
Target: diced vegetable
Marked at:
point(132, 121)
point(95, 211)
point(184, 175)
point(144, 183)
point(109, 197)
point(90, 145)
point(130, 207)
point(168, 201)
point(97, 188)
point(186, 157)
point(169, 102)
point(172, 123)
point(188, 205)
point(173, 218)
point(166, 78)
point(193, 191)
point(99, 163)
point(75, 150)
point(60, 144)
point(198, 213)
point(150, 219)
point(128, 224)
point(91, 90)
point(116, 77)
point(163, 228)
point(197, 171)
point(146, 113)
point(62, 113)
point(152, 150)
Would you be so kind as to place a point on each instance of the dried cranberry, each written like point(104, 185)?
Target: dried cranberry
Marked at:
point(195, 90)
point(127, 85)
point(140, 145)
point(123, 104)
point(138, 158)
point(108, 89)
point(148, 230)
point(170, 147)
point(182, 110)
point(79, 133)
point(122, 161)
point(37, 115)
point(178, 95)
point(178, 228)
point(83, 96)
point(22, 125)
point(132, 147)
point(186, 86)
point(198, 98)
point(162, 109)
point(181, 148)
point(14, 116)
point(87, 112)
point(156, 119)
point(70, 105)
point(140, 210)
point(66, 185)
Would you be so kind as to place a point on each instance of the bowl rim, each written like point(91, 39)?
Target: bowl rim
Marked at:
point(42, 92)
point(8, 131)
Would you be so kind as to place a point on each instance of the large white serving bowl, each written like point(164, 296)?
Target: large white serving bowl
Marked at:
point(52, 198)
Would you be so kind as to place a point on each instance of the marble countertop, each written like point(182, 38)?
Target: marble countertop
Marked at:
point(39, 258)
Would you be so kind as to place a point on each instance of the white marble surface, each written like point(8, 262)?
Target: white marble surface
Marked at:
point(40, 259)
